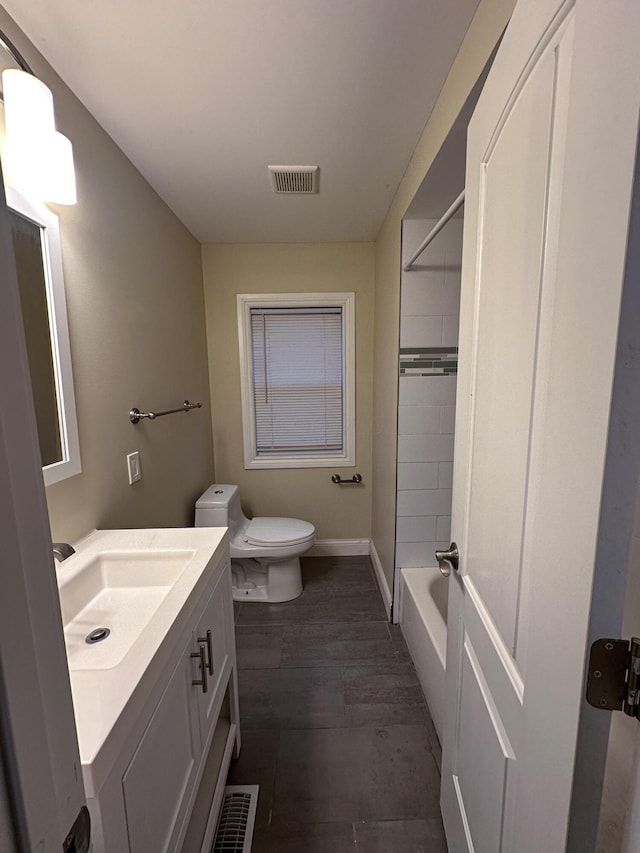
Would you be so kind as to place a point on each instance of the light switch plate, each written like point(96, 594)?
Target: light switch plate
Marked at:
point(133, 467)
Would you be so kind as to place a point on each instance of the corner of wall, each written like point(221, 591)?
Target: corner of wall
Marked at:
point(486, 28)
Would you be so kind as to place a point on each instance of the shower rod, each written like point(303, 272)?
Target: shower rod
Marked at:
point(437, 228)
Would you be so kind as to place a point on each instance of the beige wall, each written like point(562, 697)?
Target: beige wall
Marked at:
point(485, 30)
point(337, 512)
point(133, 282)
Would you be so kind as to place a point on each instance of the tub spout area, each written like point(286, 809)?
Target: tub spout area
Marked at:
point(62, 550)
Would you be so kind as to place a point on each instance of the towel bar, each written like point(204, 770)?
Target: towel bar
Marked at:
point(135, 415)
point(336, 478)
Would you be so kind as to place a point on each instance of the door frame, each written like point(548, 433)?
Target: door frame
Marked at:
point(619, 508)
point(39, 758)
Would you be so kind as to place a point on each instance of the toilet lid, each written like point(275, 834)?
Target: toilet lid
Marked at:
point(278, 531)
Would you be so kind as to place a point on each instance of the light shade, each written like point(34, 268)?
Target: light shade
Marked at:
point(24, 164)
point(28, 105)
point(36, 159)
point(59, 179)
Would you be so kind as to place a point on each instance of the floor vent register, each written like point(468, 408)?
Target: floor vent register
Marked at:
point(237, 819)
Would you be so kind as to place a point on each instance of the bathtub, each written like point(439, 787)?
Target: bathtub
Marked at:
point(423, 619)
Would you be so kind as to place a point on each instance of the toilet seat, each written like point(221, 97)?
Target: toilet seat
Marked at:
point(277, 531)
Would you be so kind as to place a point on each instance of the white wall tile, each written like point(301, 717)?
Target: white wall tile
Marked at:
point(430, 294)
point(445, 475)
point(416, 554)
point(424, 502)
point(416, 528)
point(419, 420)
point(453, 234)
point(413, 233)
point(418, 475)
point(443, 527)
point(427, 391)
point(414, 293)
point(447, 419)
point(425, 448)
point(453, 280)
point(430, 307)
point(450, 330)
point(421, 332)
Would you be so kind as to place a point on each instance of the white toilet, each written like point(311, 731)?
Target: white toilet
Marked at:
point(265, 552)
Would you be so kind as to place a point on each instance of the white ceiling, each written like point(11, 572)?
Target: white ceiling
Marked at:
point(203, 94)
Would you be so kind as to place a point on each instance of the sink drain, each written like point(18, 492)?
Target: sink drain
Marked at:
point(97, 635)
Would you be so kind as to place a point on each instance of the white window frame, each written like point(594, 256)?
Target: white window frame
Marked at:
point(346, 301)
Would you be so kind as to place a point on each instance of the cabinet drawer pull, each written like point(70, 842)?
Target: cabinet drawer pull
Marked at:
point(203, 669)
point(209, 641)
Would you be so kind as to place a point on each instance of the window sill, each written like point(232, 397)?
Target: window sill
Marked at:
point(300, 462)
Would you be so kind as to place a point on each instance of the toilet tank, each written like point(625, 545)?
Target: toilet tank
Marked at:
point(219, 506)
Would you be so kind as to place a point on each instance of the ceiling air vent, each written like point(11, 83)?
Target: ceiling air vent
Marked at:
point(294, 179)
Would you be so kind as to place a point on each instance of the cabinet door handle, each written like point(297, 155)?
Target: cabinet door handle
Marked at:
point(203, 669)
point(209, 641)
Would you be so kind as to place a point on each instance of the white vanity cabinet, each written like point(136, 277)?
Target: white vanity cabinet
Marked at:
point(162, 773)
point(210, 644)
point(164, 791)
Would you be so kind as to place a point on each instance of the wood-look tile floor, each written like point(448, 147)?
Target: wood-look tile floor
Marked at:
point(335, 729)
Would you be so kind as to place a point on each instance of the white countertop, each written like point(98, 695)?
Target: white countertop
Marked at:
point(108, 701)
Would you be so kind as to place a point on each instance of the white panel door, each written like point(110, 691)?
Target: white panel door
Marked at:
point(550, 161)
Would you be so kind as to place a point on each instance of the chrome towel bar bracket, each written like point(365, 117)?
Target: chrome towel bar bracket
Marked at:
point(336, 478)
point(135, 415)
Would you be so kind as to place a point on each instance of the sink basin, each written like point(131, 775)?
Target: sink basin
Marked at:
point(119, 591)
point(144, 586)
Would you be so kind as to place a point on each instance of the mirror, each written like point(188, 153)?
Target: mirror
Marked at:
point(36, 242)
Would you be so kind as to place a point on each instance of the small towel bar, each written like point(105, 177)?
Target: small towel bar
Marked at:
point(135, 415)
point(336, 478)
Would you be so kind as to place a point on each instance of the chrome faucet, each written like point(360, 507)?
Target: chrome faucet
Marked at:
point(61, 550)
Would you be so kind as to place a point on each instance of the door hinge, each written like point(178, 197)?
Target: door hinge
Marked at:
point(79, 836)
point(613, 682)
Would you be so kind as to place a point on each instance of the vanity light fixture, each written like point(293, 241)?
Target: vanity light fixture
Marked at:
point(37, 160)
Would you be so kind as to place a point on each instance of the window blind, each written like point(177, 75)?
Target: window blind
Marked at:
point(297, 380)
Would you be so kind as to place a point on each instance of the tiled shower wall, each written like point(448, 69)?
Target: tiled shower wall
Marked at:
point(429, 311)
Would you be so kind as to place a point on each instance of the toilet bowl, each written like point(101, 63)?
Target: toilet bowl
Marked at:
point(265, 552)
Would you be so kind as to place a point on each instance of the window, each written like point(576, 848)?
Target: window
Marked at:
point(297, 371)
